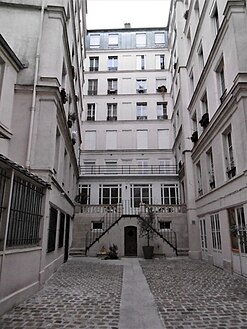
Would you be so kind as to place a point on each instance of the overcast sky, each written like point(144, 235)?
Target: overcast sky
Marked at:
point(139, 13)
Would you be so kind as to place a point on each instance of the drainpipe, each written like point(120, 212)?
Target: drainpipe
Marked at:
point(33, 107)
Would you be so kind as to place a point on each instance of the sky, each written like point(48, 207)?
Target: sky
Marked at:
point(139, 13)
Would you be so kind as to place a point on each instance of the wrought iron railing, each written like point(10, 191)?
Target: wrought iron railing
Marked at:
point(114, 213)
point(87, 170)
point(110, 218)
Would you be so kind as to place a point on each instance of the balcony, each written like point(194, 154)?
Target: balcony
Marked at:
point(128, 170)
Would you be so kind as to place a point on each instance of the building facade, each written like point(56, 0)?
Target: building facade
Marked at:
point(41, 79)
point(207, 40)
point(202, 65)
point(126, 157)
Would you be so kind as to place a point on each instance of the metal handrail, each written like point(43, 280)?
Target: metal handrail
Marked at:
point(128, 170)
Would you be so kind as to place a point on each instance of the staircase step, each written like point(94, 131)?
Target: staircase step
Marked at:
point(183, 252)
point(79, 252)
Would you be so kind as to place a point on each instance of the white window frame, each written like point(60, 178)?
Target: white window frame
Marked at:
point(216, 232)
point(94, 40)
point(113, 40)
point(141, 40)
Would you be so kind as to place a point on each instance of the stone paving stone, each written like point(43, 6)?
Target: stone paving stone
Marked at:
point(79, 295)
point(86, 295)
point(194, 294)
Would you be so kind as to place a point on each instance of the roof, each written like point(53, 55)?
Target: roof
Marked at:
point(23, 170)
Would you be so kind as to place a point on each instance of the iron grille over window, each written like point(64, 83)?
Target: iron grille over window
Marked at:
point(52, 230)
point(25, 214)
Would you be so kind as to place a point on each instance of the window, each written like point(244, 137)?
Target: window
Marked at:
point(97, 226)
point(215, 17)
point(141, 111)
point(113, 40)
point(94, 63)
point(90, 140)
point(112, 86)
point(141, 40)
point(200, 56)
point(163, 139)
point(160, 62)
point(111, 167)
point(159, 38)
point(165, 166)
point(110, 194)
point(242, 229)
point(61, 230)
point(92, 87)
point(211, 169)
point(192, 85)
point(142, 139)
point(142, 166)
point(169, 194)
point(111, 139)
point(94, 40)
point(57, 150)
point(229, 156)
point(111, 112)
point(141, 86)
point(162, 110)
point(165, 225)
point(238, 229)
point(91, 112)
point(140, 194)
point(221, 79)
point(89, 168)
point(215, 229)
point(204, 121)
point(160, 83)
point(203, 234)
point(112, 63)
point(25, 213)
point(52, 230)
point(85, 190)
point(140, 62)
point(189, 41)
point(199, 179)
point(2, 65)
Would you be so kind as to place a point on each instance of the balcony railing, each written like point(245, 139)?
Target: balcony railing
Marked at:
point(128, 170)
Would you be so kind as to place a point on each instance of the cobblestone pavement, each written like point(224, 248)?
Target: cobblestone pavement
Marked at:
point(86, 293)
point(80, 295)
point(193, 294)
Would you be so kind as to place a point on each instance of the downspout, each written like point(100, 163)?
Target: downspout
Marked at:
point(33, 107)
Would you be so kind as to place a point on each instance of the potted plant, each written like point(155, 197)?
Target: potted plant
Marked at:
point(148, 233)
point(71, 118)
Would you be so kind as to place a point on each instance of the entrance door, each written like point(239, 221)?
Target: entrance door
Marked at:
point(130, 241)
point(66, 245)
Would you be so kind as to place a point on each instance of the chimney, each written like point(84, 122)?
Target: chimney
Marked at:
point(127, 25)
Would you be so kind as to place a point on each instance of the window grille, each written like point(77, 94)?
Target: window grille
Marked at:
point(52, 230)
point(25, 214)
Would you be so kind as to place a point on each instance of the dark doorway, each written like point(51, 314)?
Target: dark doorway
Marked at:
point(66, 244)
point(130, 241)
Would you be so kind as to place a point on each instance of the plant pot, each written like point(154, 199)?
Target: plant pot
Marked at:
point(148, 252)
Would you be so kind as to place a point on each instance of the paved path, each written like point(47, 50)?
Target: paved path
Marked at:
point(96, 294)
point(138, 309)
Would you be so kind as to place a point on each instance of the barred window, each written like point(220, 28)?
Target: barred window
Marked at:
point(3, 177)
point(61, 230)
point(25, 214)
point(52, 230)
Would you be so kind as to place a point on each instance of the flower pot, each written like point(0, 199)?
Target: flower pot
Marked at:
point(148, 252)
